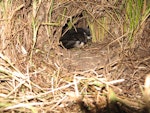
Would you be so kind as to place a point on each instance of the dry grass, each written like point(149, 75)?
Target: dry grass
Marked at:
point(36, 75)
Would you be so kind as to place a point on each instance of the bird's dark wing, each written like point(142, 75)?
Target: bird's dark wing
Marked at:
point(68, 44)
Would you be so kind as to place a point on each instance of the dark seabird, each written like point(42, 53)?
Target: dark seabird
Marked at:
point(75, 38)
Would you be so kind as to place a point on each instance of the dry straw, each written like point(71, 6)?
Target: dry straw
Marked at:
point(37, 76)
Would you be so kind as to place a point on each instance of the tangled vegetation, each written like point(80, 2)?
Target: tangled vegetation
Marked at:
point(106, 76)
